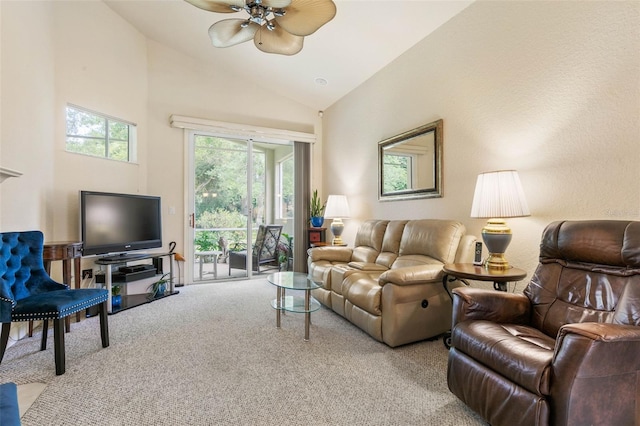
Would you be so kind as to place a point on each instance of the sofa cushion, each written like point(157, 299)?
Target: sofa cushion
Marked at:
point(368, 242)
point(520, 353)
point(391, 243)
point(436, 240)
point(364, 292)
point(370, 234)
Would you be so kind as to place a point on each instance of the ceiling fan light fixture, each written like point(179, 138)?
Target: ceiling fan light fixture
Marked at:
point(287, 22)
point(229, 32)
point(305, 17)
point(218, 6)
point(278, 41)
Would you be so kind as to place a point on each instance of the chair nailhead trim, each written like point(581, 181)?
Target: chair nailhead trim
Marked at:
point(63, 313)
point(4, 299)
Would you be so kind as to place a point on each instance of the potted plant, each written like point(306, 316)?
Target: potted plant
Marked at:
point(116, 297)
point(316, 210)
point(159, 287)
point(284, 251)
point(283, 261)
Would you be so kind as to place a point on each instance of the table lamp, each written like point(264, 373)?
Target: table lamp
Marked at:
point(337, 209)
point(498, 195)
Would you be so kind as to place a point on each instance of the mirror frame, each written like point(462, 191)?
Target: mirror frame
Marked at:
point(433, 192)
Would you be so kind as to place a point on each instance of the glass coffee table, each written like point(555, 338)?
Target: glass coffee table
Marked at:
point(298, 304)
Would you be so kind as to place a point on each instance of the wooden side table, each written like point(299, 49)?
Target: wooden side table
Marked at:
point(317, 237)
point(469, 271)
point(64, 251)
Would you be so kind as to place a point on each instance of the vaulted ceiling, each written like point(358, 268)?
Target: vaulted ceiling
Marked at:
point(364, 36)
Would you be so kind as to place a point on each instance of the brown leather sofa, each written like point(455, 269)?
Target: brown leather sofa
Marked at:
point(567, 351)
point(390, 283)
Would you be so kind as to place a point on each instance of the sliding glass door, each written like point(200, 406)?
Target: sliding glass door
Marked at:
point(236, 186)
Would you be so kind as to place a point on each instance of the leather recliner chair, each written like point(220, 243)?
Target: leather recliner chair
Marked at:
point(567, 351)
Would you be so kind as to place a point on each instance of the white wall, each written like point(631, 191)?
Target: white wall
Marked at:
point(551, 89)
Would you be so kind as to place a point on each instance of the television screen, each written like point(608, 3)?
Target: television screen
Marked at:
point(115, 223)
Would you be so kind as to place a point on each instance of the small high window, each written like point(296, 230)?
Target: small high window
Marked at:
point(99, 135)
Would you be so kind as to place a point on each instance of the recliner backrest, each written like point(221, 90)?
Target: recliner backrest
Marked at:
point(589, 271)
point(391, 243)
point(429, 241)
point(368, 242)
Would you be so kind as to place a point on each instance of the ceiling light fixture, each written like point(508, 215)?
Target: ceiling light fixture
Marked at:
point(276, 26)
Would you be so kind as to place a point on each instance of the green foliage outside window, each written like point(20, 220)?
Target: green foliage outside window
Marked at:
point(221, 199)
point(221, 177)
point(396, 173)
point(287, 188)
point(206, 240)
point(93, 134)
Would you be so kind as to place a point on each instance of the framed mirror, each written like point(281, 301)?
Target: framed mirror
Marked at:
point(410, 164)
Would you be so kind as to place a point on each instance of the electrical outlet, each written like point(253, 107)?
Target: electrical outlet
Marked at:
point(87, 273)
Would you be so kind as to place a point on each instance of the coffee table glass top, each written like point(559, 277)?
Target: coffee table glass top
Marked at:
point(292, 281)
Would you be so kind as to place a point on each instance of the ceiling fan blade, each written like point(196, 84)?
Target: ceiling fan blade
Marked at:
point(276, 4)
point(229, 32)
point(304, 17)
point(278, 41)
point(220, 6)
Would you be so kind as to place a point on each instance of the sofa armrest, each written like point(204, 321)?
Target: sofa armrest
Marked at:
point(330, 253)
point(598, 356)
point(496, 306)
point(410, 275)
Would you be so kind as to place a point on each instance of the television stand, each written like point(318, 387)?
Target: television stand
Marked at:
point(123, 257)
point(133, 300)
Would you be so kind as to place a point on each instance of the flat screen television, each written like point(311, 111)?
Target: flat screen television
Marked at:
point(116, 224)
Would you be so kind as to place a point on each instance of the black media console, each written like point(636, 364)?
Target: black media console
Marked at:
point(118, 272)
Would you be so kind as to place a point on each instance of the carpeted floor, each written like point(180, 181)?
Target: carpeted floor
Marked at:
point(213, 356)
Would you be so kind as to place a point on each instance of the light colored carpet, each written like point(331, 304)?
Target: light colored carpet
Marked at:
point(213, 356)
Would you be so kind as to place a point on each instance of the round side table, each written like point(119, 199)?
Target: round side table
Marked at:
point(469, 271)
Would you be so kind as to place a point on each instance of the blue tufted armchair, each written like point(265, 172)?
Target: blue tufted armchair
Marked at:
point(28, 293)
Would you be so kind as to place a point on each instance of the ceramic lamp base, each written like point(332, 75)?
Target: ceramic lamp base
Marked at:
point(496, 236)
point(336, 229)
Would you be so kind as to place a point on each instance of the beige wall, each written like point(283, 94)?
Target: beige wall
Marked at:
point(105, 70)
point(85, 54)
point(551, 89)
point(27, 116)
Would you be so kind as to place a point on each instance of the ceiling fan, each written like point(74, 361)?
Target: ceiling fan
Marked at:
point(276, 26)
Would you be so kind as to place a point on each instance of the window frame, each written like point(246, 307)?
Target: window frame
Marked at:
point(131, 140)
point(279, 188)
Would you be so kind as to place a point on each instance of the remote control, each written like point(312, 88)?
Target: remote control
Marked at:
point(477, 258)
